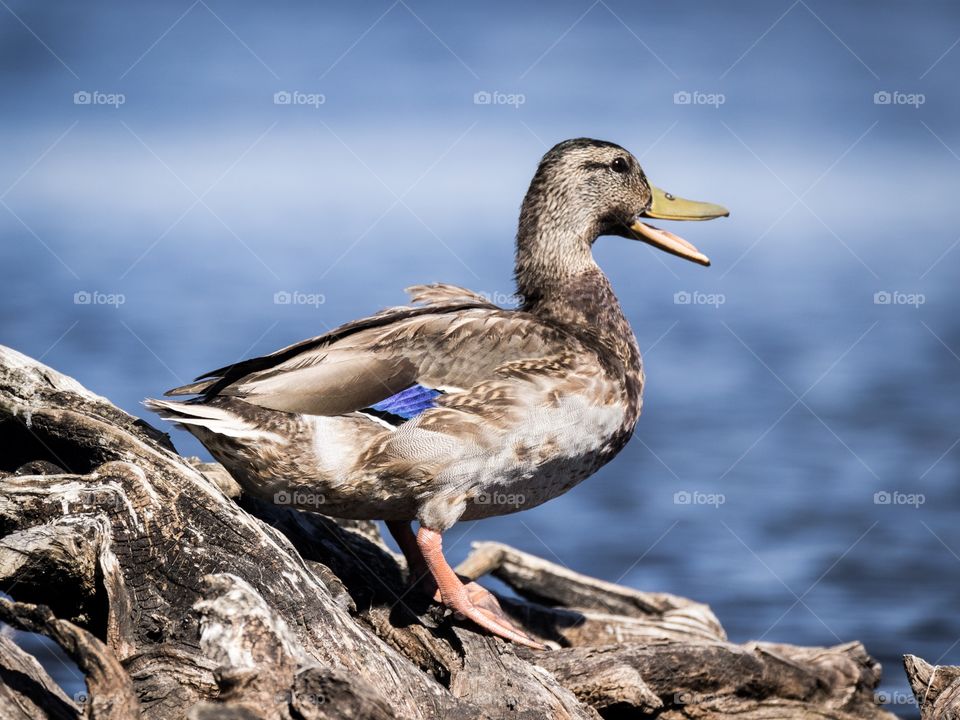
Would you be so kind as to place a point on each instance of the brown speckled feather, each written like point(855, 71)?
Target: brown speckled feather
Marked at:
point(451, 346)
point(534, 399)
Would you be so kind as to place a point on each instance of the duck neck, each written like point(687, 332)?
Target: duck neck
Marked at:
point(559, 281)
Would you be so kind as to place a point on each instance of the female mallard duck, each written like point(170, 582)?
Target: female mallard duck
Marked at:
point(453, 407)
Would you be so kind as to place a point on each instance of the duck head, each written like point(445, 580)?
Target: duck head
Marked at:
point(586, 188)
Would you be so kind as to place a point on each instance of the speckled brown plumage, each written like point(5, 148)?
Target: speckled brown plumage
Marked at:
point(453, 408)
point(535, 399)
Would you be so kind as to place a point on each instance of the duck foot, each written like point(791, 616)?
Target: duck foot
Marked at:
point(470, 601)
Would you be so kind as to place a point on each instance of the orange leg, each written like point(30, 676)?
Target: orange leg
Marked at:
point(417, 570)
point(472, 601)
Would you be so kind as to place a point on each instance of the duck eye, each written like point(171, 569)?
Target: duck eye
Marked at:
point(619, 165)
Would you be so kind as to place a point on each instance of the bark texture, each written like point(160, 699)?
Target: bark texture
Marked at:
point(179, 597)
point(936, 688)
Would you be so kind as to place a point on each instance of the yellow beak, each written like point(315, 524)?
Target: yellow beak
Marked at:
point(665, 206)
point(669, 207)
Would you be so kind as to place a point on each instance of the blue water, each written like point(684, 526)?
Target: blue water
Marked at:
point(781, 411)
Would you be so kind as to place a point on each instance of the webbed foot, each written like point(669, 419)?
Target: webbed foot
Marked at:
point(470, 601)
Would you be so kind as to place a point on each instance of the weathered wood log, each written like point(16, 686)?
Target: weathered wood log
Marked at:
point(180, 597)
point(111, 692)
point(26, 691)
point(936, 688)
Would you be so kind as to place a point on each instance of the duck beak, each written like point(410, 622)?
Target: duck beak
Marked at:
point(665, 206)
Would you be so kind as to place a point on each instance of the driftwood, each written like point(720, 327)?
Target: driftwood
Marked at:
point(179, 597)
point(936, 688)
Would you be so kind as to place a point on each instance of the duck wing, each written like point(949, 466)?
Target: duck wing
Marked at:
point(396, 361)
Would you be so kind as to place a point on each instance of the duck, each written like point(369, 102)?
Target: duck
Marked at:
point(451, 407)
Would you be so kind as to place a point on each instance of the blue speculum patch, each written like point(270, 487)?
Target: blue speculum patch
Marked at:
point(410, 402)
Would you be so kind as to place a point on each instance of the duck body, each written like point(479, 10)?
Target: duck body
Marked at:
point(453, 408)
point(507, 411)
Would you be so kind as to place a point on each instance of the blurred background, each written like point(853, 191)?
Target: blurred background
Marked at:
point(185, 184)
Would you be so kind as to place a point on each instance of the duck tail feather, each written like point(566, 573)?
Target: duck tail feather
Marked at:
point(190, 415)
point(194, 388)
